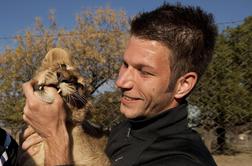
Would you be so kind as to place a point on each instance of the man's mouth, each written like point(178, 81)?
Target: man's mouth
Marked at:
point(129, 99)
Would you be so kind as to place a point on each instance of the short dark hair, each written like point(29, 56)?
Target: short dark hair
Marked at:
point(187, 31)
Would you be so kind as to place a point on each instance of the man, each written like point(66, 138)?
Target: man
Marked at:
point(168, 51)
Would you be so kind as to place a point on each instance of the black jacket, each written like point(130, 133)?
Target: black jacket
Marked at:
point(8, 149)
point(163, 140)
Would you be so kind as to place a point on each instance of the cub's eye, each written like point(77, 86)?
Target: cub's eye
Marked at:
point(73, 79)
point(63, 66)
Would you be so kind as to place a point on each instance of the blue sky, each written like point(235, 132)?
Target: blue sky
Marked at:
point(18, 15)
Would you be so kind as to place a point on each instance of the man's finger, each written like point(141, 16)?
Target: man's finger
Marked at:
point(28, 89)
point(26, 155)
point(33, 150)
point(31, 141)
point(26, 119)
point(28, 131)
point(53, 91)
point(26, 115)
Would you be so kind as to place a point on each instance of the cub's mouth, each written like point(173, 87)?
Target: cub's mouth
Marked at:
point(37, 87)
point(72, 92)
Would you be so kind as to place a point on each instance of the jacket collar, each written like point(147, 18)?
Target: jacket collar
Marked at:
point(166, 123)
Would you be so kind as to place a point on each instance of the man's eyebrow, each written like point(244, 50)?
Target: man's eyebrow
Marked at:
point(144, 66)
point(138, 65)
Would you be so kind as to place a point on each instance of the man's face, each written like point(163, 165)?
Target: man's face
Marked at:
point(144, 79)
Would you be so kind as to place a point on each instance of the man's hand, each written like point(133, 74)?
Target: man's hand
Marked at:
point(48, 120)
point(45, 119)
point(31, 140)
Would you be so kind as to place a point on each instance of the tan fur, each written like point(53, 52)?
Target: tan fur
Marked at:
point(86, 149)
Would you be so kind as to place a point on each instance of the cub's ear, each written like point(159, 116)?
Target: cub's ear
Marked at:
point(57, 56)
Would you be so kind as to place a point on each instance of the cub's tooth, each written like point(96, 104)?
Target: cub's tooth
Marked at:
point(59, 91)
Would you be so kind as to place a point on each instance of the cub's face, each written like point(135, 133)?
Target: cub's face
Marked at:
point(63, 76)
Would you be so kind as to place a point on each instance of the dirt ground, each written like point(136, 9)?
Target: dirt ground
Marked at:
point(241, 159)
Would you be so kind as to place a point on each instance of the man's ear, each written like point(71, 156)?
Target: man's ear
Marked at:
point(185, 84)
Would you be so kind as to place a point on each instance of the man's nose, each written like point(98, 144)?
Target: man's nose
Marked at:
point(125, 79)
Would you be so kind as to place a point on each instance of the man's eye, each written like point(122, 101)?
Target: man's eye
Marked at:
point(145, 73)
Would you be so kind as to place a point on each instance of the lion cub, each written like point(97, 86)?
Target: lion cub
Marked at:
point(57, 70)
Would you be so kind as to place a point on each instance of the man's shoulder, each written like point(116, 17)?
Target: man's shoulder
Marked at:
point(119, 126)
point(178, 149)
point(176, 160)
